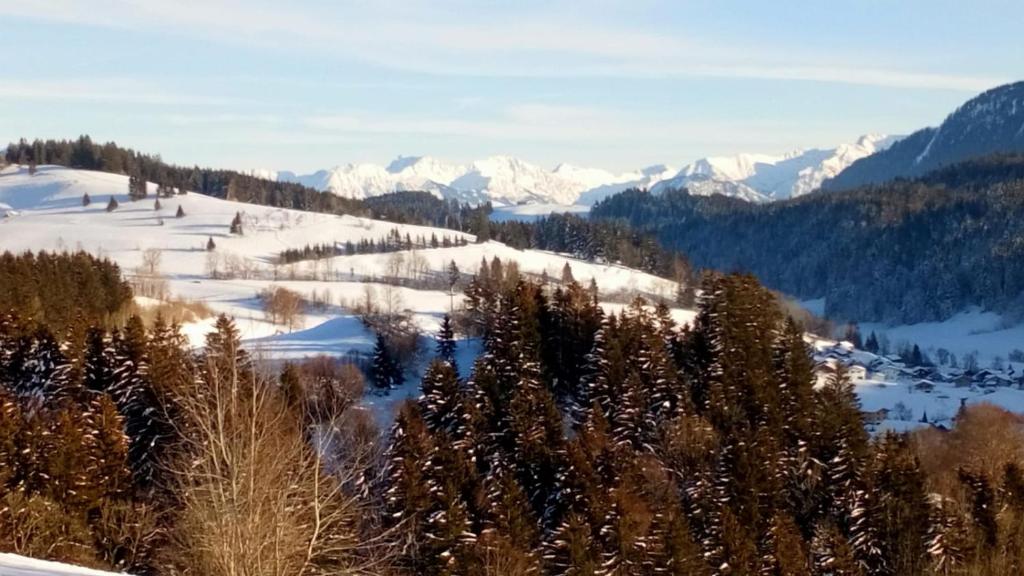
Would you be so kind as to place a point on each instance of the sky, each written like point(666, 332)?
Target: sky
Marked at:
point(309, 84)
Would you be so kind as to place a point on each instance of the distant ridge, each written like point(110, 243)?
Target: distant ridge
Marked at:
point(990, 123)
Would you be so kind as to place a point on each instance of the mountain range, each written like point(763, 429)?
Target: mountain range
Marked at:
point(506, 180)
point(990, 123)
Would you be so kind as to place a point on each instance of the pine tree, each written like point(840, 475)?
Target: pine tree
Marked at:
point(180, 213)
point(384, 368)
point(853, 336)
point(108, 455)
point(406, 492)
point(903, 512)
point(236, 224)
point(112, 205)
point(210, 246)
point(448, 533)
point(11, 426)
point(832, 553)
point(916, 358)
point(871, 345)
point(572, 548)
point(983, 506)
point(136, 400)
point(446, 342)
point(784, 551)
point(86, 200)
point(441, 398)
point(567, 277)
point(98, 369)
point(66, 459)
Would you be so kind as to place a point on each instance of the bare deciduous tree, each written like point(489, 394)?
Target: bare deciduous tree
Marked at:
point(282, 306)
point(254, 493)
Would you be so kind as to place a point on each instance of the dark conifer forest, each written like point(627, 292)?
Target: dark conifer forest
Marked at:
point(581, 443)
point(902, 252)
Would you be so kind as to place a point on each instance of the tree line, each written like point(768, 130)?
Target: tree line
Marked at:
point(902, 252)
point(597, 241)
point(82, 153)
point(394, 241)
point(63, 292)
point(594, 241)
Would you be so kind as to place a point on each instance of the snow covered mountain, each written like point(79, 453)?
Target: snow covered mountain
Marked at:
point(992, 122)
point(508, 181)
point(762, 177)
point(503, 180)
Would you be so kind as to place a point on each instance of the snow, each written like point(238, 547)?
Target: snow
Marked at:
point(531, 212)
point(972, 331)
point(766, 177)
point(14, 565)
point(45, 212)
point(502, 180)
point(882, 385)
point(508, 181)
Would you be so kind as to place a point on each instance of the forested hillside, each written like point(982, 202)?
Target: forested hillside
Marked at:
point(989, 123)
point(907, 251)
point(582, 443)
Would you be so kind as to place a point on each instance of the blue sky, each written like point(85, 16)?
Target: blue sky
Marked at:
point(309, 84)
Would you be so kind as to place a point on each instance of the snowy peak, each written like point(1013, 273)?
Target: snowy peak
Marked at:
point(507, 180)
point(764, 177)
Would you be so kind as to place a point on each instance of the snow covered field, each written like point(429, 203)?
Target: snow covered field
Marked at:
point(45, 212)
point(986, 334)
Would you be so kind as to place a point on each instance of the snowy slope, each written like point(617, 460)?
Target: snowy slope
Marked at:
point(762, 177)
point(14, 565)
point(45, 212)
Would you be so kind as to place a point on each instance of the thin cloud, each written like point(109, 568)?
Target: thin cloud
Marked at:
point(103, 91)
point(412, 37)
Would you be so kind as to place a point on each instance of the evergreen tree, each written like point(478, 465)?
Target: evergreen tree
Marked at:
point(441, 399)
point(832, 553)
point(210, 246)
point(385, 371)
point(112, 204)
point(407, 496)
point(567, 277)
point(573, 548)
point(871, 345)
point(86, 200)
point(180, 213)
point(236, 224)
point(983, 506)
point(916, 358)
point(446, 342)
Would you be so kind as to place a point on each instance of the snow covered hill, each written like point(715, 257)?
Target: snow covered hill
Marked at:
point(46, 212)
point(508, 181)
